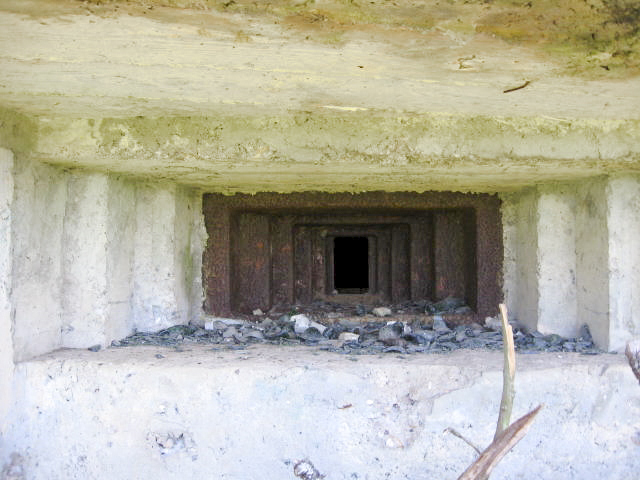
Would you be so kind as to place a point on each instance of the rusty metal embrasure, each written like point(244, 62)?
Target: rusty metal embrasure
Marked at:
point(375, 248)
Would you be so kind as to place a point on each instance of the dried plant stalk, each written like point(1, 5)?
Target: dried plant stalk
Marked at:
point(508, 374)
point(634, 360)
point(482, 467)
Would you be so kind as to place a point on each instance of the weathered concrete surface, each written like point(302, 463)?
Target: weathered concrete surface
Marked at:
point(345, 151)
point(592, 258)
point(38, 212)
point(73, 58)
point(168, 257)
point(623, 199)
point(94, 258)
point(556, 268)
point(571, 258)
point(331, 95)
point(201, 413)
point(6, 337)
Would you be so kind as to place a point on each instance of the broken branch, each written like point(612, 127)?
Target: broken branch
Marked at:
point(509, 90)
point(508, 374)
point(454, 432)
point(483, 466)
point(634, 360)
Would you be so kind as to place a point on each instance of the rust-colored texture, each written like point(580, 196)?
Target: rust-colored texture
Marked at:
point(281, 250)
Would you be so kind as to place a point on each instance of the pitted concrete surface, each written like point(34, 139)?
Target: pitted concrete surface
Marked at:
point(330, 95)
point(235, 414)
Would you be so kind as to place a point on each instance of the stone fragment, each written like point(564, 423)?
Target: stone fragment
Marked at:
point(94, 348)
point(230, 332)
point(446, 305)
point(584, 334)
point(301, 323)
point(253, 334)
point(257, 312)
point(348, 337)
point(382, 311)
point(318, 326)
point(311, 335)
point(439, 324)
point(391, 334)
point(494, 323)
point(305, 470)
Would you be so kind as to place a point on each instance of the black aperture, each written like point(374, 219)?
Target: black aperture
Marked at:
point(351, 264)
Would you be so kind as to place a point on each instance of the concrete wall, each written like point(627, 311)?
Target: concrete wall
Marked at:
point(97, 257)
point(556, 261)
point(572, 258)
point(38, 210)
point(623, 201)
point(6, 342)
point(237, 415)
point(592, 258)
point(168, 255)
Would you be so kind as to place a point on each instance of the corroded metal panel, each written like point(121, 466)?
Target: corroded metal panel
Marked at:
point(272, 250)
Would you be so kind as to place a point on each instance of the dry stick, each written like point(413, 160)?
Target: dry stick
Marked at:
point(508, 374)
point(634, 360)
point(483, 466)
point(456, 433)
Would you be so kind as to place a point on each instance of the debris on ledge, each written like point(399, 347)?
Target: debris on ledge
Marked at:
point(366, 333)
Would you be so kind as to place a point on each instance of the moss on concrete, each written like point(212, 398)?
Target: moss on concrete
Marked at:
point(17, 132)
point(596, 38)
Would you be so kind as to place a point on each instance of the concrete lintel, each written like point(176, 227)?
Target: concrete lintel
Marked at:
point(325, 151)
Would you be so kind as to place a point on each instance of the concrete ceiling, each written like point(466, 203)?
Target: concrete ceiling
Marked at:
point(330, 95)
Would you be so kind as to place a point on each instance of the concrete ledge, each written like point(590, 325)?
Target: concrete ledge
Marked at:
point(236, 414)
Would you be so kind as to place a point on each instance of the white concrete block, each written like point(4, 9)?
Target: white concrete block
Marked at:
point(120, 235)
point(169, 240)
point(38, 213)
point(85, 296)
point(623, 195)
point(556, 269)
point(526, 249)
point(509, 216)
point(190, 240)
point(592, 259)
point(6, 247)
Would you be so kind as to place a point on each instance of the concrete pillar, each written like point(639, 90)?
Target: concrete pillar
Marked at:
point(525, 290)
point(154, 300)
point(540, 259)
point(190, 238)
point(509, 217)
point(623, 195)
point(592, 258)
point(40, 193)
point(6, 335)
point(120, 237)
point(556, 261)
point(85, 299)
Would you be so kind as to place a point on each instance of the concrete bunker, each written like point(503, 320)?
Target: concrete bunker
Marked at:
point(278, 251)
point(117, 117)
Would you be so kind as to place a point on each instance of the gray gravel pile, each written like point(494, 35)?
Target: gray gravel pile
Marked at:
point(432, 334)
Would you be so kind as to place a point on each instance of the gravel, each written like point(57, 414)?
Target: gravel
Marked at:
point(367, 334)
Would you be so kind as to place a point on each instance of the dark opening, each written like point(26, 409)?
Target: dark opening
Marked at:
point(351, 265)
